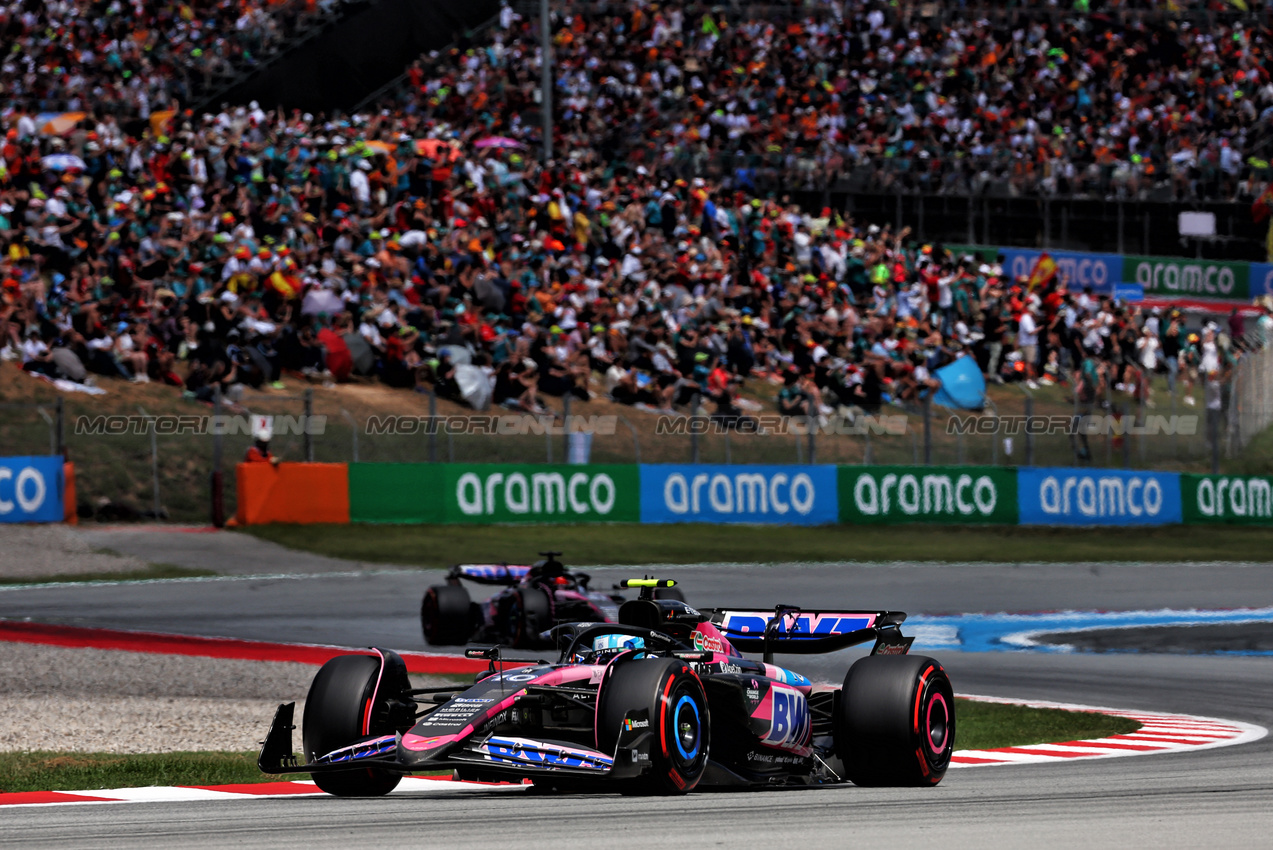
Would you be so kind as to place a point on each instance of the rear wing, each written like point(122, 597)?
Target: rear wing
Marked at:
point(793, 630)
point(507, 574)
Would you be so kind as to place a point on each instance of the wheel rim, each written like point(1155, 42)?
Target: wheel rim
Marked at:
point(687, 727)
point(937, 723)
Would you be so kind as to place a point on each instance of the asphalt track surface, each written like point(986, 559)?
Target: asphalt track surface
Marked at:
point(1208, 798)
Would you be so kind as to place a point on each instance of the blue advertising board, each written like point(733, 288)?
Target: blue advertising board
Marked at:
point(1261, 280)
point(1097, 497)
point(1099, 271)
point(777, 495)
point(1129, 293)
point(31, 489)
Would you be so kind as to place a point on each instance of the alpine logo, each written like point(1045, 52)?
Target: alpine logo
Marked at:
point(789, 724)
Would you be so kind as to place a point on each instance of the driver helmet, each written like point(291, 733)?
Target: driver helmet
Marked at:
point(610, 643)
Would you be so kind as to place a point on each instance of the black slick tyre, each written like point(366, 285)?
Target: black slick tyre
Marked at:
point(673, 593)
point(446, 615)
point(335, 713)
point(529, 615)
point(895, 723)
point(676, 706)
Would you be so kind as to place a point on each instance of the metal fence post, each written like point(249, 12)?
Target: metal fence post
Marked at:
point(1213, 434)
point(928, 431)
point(1120, 226)
point(353, 429)
point(994, 437)
point(433, 425)
point(866, 452)
point(61, 428)
point(218, 506)
point(309, 414)
point(565, 431)
point(154, 460)
point(695, 401)
point(48, 420)
point(636, 440)
point(1127, 445)
point(1029, 434)
point(813, 429)
point(729, 455)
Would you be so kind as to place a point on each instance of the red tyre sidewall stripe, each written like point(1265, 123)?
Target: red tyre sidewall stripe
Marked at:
point(919, 695)
point(663, 715)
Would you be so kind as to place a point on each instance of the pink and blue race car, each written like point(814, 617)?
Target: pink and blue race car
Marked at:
point(534, 599)
point(662, 701)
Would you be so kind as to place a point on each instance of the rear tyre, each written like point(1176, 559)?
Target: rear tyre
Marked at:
point(673, 593)
point(335, 711)
point(895, 724)
point(529, 616)
point(446, 615)
point(678, 716)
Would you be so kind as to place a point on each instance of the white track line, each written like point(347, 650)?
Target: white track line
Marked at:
point(1159, 733)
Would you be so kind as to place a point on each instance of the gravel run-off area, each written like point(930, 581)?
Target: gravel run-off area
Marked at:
point(48, 551)
point(93, 700)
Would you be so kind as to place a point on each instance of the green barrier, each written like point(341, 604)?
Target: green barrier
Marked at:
point(932, 494)
point(1179, 276)
point(396, 492)
point(983, 253)
point(1226, 499)
point(493, 493)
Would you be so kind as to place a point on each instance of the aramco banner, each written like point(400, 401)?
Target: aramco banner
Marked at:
point(941, 494)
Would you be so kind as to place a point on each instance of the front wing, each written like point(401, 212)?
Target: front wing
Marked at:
point(491, 755)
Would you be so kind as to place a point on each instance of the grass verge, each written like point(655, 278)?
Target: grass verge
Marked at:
point(442, 545)
point(981, 726)
point(152, 571)
point(48, 771)
point(987, 725)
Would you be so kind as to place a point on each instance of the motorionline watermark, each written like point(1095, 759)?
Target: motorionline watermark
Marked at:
point(504, 425)
point(774, 425)
point(1089, 425)
point(181, 424)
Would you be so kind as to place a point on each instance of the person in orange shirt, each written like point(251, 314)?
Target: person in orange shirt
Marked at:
point(259, 452)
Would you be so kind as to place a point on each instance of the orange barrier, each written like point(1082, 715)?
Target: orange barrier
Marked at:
point(292, 492)
point(70, 514)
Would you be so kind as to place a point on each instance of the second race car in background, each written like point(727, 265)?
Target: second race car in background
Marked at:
point(534, 599)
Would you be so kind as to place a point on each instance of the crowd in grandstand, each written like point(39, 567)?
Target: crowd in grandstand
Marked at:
point(130, 58)
point(427, 245)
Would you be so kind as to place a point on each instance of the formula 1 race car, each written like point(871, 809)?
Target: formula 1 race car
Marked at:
point(535, 599)
point(661, 702)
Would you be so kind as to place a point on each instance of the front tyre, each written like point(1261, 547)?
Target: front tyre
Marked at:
point(446, 616)
point(336, 715)
point(895, 724)
point(674, 701)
